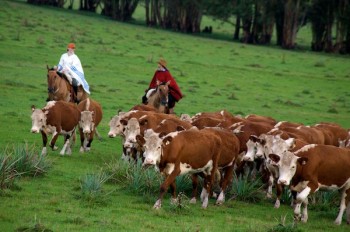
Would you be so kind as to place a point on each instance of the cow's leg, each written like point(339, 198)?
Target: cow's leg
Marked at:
point(164, 187)
point(342, 207)
point(98, 134)
point(69, 147)
point(224, 182)
point(53, 140)
point(66, 144)
point(279, 191)
point(304, 215)
point(269, 188)
point(173, 199)
point(301, 197)
point(194, 178)
point(44, 138)
point(88, 144)
point(82, 139)
point(347, 201)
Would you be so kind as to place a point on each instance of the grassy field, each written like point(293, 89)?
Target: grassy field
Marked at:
point(119, 60)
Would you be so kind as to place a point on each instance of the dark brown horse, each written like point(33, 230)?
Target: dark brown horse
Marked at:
point(159, 97)
point(60, 89)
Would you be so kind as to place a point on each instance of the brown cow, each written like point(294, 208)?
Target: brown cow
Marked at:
point(57, 118)
point(315, 167)
point(90, 117)
point(190, 151)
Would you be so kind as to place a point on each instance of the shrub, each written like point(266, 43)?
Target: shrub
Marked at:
point(7, 171)
point(91, 186)
point(29, 162)
point(20, 161)
point(283, 227)
point(245, 189)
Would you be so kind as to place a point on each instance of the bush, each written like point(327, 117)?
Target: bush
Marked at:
point(20, 161)
point(91, 186)
point(245, 189)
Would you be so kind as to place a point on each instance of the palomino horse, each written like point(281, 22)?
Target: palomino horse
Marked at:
point(159, 97)
point(60, 89)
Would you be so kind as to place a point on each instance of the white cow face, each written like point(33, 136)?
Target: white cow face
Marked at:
point(287, 166)
point(38, 120)
point(86, 122)
point(251, 151)
point(152, 148)
point(131, 130)
point(115, 126)
point(280, 145)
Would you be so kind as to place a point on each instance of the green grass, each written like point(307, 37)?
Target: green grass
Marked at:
point(119, 60)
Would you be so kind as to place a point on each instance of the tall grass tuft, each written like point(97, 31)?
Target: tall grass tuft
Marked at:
point(245, 189)
point(91, 186)
point(19, 161)
point(144, 181)
point(283, 227)
point(29, 161)
point(7, 171)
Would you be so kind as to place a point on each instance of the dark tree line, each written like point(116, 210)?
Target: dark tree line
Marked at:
point(253, 21)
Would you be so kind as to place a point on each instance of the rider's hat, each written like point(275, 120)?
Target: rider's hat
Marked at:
point(162, 62)
point(71, 45)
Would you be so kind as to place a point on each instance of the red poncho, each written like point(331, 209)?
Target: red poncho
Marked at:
point(165, 76)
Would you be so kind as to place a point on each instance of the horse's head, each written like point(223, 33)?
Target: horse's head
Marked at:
point(163, 91)
point(52, 77)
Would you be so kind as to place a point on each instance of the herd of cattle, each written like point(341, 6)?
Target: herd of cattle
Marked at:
point(214, 145)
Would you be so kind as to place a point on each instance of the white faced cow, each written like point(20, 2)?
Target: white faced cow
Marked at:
point(315, 167)
point(56, 118)
point(90, 118)
point(186, 152)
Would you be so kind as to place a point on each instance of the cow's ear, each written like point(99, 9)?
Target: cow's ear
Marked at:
point(180, 128)
point(124, 122)
point(303, 160)
point(291, 143)
point(167, 140)
point(140, 140)
point(144, 122)
point(275, 158)
point(33, 108)
point(162, 134)
point(254, 138)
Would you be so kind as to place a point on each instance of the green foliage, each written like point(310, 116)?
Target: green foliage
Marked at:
point(247, 189)
point(21, 160)
point(29, 161)
point(283, 227)
point(91, 186)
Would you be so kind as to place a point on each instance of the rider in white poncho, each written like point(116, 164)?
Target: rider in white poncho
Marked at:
point(71, 66)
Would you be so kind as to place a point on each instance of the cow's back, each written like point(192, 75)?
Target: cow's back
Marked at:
point(330, 164)
point(64, 114)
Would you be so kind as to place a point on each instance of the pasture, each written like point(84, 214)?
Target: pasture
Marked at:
point(119, 61)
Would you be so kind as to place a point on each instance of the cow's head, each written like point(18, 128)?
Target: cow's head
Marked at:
point(38, 120)
point(86, 122)
point(115, 125)
point(287, 165)
point(152, 146)
point(132, 129)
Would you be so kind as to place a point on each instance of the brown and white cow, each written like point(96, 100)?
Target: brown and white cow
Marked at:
point(90, 118)
point(315, 167)
point(186, 152)
point(56, 118)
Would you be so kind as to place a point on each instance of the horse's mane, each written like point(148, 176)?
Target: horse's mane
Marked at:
point(58, 73)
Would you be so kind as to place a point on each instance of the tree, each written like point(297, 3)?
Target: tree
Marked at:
point(120, 10)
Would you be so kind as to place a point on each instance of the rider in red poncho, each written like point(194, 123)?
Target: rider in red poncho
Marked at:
point(162, 74)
